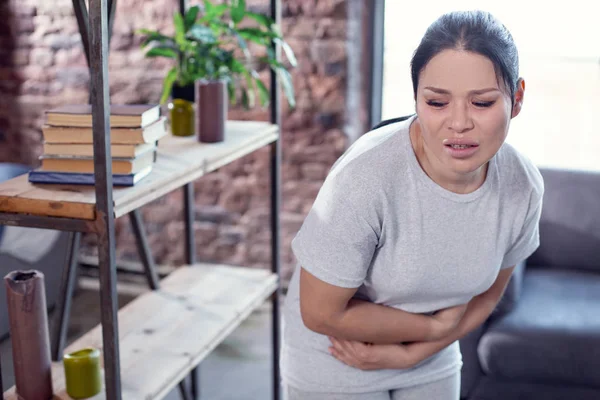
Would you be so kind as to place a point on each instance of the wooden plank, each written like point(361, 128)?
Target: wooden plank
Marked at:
point(179, 161)
point(165, 333)
point(17, 195)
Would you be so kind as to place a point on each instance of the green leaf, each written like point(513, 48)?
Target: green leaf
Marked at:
point(202, 33)
point(263, 92)
point(161, 51)
point(288, 87)
point(256, 39)
point(271, 54)
point(242, 43)
point(154, 36)
point(179, 29)
point(210, 68)
point(238, 67)
point(238, 9)
point(190, 17)
point(256, 32)
point(261, 19)
point(276, 30)
point(289, 53)
point(250, 83)
point(168, 84)
point(212, 12)
point(271, 60)
point(231, 92)
point(245, 100)
point(208, 5)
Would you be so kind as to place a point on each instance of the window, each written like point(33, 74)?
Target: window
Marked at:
point(559, 50)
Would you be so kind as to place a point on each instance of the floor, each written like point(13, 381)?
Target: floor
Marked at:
point(239, 369)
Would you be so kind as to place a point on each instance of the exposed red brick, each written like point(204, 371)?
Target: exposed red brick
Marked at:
point(47, 67)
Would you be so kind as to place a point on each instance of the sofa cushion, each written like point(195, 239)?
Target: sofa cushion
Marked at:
point(570, 221)
point(490, 389)
point(552, 335)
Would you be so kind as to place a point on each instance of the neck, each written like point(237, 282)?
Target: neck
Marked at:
point(461, 183)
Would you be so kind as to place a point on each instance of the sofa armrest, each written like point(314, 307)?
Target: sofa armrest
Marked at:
point(471, 369)
point(512, 293)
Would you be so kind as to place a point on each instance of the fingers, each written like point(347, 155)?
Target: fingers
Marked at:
point(339, 351)
point(354, 354)
point(344, 357)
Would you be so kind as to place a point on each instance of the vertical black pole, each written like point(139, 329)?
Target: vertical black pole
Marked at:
point(190, 244)
point(188, 209)
point(275, 205)
point(135, 218)
point(105, 227)
point(190, 258)
point(376, 14)
point(82, 17)
point(112, 6)
point(63, 304)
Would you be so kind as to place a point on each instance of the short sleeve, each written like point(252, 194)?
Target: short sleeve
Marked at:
point(336, 243)
point(529, 238)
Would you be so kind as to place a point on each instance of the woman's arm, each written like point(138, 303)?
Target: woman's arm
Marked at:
point(478, 311)
point(331, 310)
point(400, 356)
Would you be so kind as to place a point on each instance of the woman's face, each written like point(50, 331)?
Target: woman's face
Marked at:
point(463, 113)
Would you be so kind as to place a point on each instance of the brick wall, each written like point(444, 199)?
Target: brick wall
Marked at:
point(42, 64)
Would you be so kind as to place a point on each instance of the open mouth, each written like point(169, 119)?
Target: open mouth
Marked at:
point(461, 150)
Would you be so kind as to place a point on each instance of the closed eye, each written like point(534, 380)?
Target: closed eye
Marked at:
point(436, 104)
point(483, 104)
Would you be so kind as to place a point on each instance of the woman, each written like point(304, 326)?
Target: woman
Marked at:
point(416, 230)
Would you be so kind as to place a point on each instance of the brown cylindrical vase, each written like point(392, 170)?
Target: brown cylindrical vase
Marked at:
point(28, 321)
point(211, 110)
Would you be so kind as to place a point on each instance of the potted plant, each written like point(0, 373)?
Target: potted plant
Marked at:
point(213, 60)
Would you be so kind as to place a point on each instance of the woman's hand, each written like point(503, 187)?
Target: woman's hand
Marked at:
point(366, 356)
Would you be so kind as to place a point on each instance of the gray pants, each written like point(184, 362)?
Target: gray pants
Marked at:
point(444, 389)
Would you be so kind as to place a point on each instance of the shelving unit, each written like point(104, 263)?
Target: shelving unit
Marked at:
point(164, 333)
point(153, 343)
point(179, 162)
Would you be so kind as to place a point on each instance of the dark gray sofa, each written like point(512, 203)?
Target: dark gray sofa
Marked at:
point(543, 340)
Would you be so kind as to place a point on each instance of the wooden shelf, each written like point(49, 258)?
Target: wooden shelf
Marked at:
point(180, 161)
point(163, 334)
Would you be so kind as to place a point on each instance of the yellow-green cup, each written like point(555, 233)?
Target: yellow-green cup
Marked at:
point(82, 373)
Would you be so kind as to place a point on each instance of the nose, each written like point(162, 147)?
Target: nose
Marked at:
point(460, 118)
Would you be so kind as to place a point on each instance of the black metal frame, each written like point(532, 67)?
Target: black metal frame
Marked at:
point(375, 42)
point(275, 208)
point(63, 303)
point(95, 28)
point(98, 57)
point(1, 384)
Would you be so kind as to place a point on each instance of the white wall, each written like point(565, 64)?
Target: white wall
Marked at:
point(559, 48)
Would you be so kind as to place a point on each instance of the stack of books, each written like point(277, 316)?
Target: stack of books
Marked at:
point(68, 156)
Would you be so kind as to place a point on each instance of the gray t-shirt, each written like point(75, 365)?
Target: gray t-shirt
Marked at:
point(380, 224)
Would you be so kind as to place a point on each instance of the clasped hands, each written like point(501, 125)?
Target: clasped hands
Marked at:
point(368, 356)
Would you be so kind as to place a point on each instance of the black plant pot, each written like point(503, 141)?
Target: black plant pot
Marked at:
point(183, 92)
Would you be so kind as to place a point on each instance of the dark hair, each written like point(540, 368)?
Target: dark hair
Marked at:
point(475, 31)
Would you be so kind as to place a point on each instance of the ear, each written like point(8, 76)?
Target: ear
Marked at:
point(519, 95)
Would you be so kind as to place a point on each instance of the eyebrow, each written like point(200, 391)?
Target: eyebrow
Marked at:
point(444, 91)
